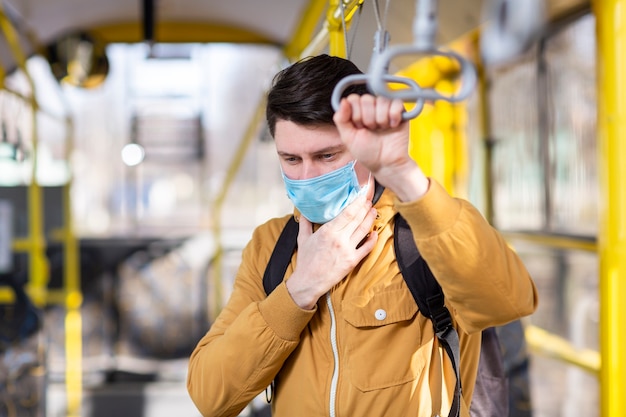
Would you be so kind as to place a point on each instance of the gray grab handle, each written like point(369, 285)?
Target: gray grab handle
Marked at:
point(377, 79)
point(355, 79)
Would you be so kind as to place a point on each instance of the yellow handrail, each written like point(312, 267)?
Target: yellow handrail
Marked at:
point(217, 266)
point(554, 240)
point(547, 344)
point(38, 264)
point(611, 131)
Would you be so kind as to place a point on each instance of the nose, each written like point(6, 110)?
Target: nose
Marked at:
point(309, 170)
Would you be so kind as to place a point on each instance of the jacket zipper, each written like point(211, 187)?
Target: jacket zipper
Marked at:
point(333, 343)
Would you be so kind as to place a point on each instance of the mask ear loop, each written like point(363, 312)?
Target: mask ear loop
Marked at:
point(369, 178)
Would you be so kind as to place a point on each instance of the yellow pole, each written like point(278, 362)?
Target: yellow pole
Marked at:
point(38, 263)
point(486, 134)
point(38, 281)
point(611, 87)
point(336, 43)
point(73, 297)
point(247, 140)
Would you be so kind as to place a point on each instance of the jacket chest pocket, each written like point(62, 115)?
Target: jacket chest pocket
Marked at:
point(382, 339)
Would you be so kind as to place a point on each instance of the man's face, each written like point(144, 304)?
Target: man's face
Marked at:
point(310, 151)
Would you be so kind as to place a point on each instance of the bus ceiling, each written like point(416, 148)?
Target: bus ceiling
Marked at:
point(44, 24)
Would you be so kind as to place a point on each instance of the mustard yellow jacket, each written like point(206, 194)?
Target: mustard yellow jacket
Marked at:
point(341, 359)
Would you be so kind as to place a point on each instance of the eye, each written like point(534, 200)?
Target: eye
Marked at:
point(327, 156)
point(291, 159)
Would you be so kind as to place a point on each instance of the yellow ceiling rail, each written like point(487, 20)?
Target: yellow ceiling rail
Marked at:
point(611, 131)
point(305, 29)
point(178, 32)
point(331, 34)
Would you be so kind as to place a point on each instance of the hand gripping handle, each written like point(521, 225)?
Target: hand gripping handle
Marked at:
point(377, 81)
point(356, 79)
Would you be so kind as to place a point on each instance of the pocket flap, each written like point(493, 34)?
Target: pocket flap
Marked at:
point(379, 309)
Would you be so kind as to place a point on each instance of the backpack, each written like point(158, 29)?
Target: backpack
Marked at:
point(491, 391)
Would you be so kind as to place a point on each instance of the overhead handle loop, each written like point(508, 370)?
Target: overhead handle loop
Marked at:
point(356, 79)
point(377, 78)
point(424, 33)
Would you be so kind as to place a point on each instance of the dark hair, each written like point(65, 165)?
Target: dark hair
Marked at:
point(301, 92)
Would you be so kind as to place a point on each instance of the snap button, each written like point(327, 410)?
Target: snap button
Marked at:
point(380, 314)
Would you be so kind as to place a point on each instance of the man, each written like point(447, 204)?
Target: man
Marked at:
point(342, 335)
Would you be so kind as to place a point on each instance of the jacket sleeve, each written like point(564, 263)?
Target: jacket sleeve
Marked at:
point(249, 341)
point(483, 279)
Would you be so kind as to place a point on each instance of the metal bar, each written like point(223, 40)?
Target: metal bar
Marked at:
point(218, 204)
point(549, 345)
point(178, 32)
point(317, 45)
point(305, 29)
point(555, 240)
point(73, 296)
point(336, 45)
point(611, 134)
point(148, 20)
point(38, 264)
point(543, 132)
point(333, 24)
point(26, 98)
point(486, 133)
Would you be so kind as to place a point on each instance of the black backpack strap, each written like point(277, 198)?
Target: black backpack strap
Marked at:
point(276, 268)
point(281, 256)
point(429, 298)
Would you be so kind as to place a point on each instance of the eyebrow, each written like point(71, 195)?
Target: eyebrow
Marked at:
point(330, 149)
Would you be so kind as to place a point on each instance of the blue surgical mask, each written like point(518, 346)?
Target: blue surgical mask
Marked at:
point(322, 198)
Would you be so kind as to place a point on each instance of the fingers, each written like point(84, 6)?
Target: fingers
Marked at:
point(343, 115)
point(367, 244)
point(363, 233)
point(355, 222)
point(353, 214)
point(305, 230)
point(370, 112)
point(395, 113)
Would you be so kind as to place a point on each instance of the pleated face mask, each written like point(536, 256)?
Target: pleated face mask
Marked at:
point(321, 199)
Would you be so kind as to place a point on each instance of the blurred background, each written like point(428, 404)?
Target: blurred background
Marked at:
point(135, 163)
